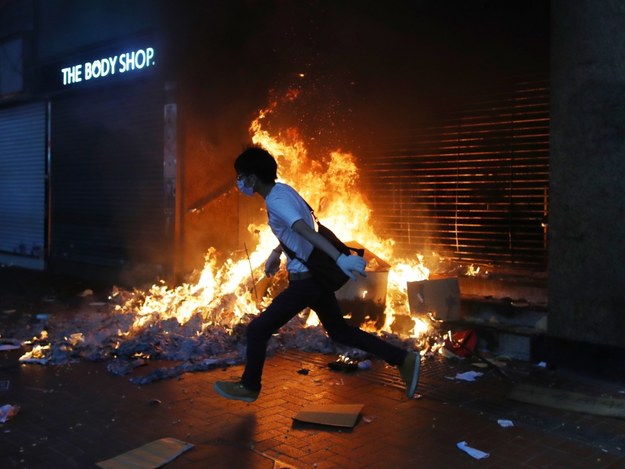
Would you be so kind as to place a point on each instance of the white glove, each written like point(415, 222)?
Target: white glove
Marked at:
point(273, 263)
point(350, 264)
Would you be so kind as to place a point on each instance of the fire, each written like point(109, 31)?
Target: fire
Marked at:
point(224, 295)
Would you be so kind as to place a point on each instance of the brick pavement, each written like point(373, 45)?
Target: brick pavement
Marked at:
point(75, 415)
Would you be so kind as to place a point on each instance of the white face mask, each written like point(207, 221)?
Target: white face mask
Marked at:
point(243, 188)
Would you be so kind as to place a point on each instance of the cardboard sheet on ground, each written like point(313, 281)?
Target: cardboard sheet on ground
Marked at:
point(150, 456)
point(562, 399)
point(336, 415)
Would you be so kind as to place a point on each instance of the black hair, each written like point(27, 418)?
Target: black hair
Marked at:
point(258, 161)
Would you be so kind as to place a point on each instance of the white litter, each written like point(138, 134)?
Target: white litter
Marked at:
point(7, 412)
point(9, 344)
point(505, 423)
point(468, 375)
point(474, 453)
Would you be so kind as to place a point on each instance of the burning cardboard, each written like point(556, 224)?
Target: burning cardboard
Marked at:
point(364, 300)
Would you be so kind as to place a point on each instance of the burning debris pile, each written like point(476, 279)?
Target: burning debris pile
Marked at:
point(125, 335)
point(200, 324)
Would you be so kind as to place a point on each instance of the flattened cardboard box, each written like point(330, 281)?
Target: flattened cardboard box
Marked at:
point(337, 415)
point(149, 456)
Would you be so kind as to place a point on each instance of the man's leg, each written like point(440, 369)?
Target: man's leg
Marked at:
point(286, 305)
point(329, 312)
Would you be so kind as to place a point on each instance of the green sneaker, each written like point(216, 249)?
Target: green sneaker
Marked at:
point(409, 371)
point(235, 390)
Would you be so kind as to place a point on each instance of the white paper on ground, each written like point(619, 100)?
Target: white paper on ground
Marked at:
point(7, 412)
point(474, 453)
point(505, 423)
point(468, 375)
point(10, 344)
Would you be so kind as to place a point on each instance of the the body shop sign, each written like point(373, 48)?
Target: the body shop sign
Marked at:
point(108, 67)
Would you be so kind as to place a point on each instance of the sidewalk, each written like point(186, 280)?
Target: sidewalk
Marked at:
point(76, 415)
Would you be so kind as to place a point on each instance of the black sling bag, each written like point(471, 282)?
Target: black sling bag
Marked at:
point(323, 268)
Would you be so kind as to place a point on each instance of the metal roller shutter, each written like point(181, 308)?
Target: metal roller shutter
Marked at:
point(473, 186)
point(107, 177)
point(22, 185)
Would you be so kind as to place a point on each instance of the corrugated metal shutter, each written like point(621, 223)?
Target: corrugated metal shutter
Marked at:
point(107, 177)
point(22, 185)
point(472, 187)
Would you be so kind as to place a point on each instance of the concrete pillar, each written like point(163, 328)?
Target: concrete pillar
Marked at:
point(587, 180)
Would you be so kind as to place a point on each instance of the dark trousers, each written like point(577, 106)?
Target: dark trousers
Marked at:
point(299, 295)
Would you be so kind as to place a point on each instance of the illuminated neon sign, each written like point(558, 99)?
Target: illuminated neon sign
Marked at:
point(109, 66)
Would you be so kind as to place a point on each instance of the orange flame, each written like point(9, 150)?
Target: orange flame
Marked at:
point(224, 295)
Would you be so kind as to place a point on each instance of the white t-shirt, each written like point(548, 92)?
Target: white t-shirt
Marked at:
point(284, 207)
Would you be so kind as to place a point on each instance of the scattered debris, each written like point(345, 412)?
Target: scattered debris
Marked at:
point(277, 464)
point(474, 453)
point(505, 423)
point(467, 375)
point(87, 292)
point(343, 363)
point(303, 371)
point(36, 355)
point(7, 412)
point(10, 344)
point(567, 400)
point(151, 323)
point(150, 456)
point(461, 343)
point(364, 365)
point(336, 415)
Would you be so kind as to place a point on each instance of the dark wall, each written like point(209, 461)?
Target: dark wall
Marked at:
point(362, 62)
point(72, 25)
point(587, 206)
